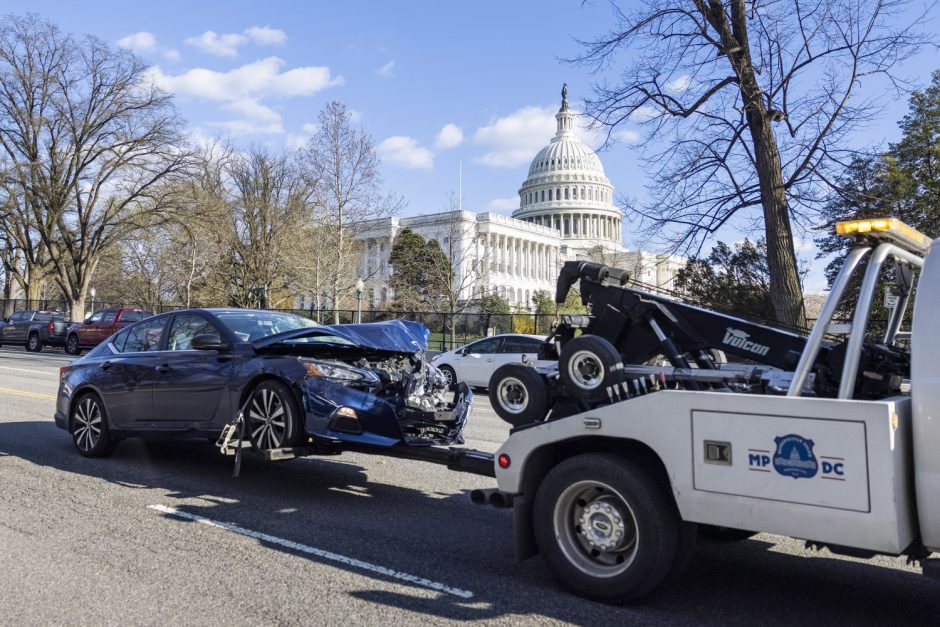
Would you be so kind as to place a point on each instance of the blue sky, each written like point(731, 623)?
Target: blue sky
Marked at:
point(437, 84)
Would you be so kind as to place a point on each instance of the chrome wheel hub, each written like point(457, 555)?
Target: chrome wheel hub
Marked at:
point(602, 526)
point(512, 395)
point(586, 370)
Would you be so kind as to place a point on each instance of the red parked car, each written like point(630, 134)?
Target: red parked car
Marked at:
point(100, 326)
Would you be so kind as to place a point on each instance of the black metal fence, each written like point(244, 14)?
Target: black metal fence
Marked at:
point(447, 330)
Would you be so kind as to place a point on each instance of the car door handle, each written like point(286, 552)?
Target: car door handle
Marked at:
point(106, 365)
point(163, 368)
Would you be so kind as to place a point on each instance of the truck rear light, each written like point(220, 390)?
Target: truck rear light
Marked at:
point(51, 328)
point(503, 461)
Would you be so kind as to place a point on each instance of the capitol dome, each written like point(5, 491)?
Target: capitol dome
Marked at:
point(567, 190)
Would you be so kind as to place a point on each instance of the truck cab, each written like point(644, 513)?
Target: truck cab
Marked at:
point(841, 454)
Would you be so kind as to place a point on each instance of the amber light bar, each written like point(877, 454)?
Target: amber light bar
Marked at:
point(888, 230)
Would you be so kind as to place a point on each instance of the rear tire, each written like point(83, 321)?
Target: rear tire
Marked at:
point(588, 365)
point(608, 528)
point(88, 424)
point(72, 346)
point(518, 394)
point(33, 343)
point(273, 416)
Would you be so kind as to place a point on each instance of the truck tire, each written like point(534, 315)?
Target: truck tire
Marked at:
point(72, 346)
point(273, 416)
point(588, 366)
point(33, 343)
point(607, 527)
point(88, 424)
point(518, 394)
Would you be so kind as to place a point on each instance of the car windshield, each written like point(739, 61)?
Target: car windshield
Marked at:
point(254, 325)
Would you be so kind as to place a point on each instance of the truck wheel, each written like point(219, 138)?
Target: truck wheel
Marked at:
point(72, 347)
point(33, 343)
point(518, 394)
point(588, 365)
point(714, 533)
point(88, 424)
point(274, 419)
point(608, 529)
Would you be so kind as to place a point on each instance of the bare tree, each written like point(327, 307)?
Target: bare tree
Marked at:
point(748, 103)
point(459, 274)
point(91, 143)
point(342, 168)
point(269, 209)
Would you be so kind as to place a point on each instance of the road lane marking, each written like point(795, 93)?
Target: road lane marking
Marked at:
point(50, 374)
point(309, 550)
point(27, 394)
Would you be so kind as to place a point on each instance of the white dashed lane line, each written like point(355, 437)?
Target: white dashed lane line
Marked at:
point(45, 372)
point(327, 555)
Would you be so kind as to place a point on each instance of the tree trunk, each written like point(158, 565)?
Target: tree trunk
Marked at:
point(786, 293)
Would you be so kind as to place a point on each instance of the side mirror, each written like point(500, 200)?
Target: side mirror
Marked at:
point(208, 342)
point(86, 320)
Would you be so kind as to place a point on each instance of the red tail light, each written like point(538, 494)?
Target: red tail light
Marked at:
point(51, 328)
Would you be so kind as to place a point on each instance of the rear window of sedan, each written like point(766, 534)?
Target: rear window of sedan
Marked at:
point(254, 325)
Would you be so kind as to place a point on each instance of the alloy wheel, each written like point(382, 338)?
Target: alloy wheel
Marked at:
point(266, 419)
point(86, 428)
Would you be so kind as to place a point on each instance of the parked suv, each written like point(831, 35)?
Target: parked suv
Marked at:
point(100, 326)
point(35, 329)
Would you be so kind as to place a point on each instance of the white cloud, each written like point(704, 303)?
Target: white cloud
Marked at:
point(406, 152)
point(309, 128)
point(140, 43)
point(295, 142)
point(172, 54)
point(644, 113)
point(514, 139)
point(266, 36)
point(227, 44)
point(680, 83)
point(260, 78)
point(450, 136)
point(387, 70)
point(242, 90)
point(503, 204)
point(628, 136)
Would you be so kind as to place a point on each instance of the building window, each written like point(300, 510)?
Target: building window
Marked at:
point(558, 193)
point(582, 193)
point(566, 193)
point(549, 194)
point(543, 196)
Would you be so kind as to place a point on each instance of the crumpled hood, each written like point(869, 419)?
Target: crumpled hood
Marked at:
point(400, 336)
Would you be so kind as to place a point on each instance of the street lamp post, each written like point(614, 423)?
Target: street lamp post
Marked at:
point(360, 285)
point(92, 292)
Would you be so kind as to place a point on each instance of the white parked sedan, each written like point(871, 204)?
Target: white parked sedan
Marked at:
point(475, 362)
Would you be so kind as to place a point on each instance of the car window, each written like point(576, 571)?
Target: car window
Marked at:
point(143, 337)
point(184, 328)
point(95, 317)
point(20, 317)
point(251, 325)
point(118, 340)
point(108, 317)
point(520, 345)
point(489, 345)
point(134, 316)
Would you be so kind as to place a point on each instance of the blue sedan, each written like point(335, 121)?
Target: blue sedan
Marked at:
point(189, 373)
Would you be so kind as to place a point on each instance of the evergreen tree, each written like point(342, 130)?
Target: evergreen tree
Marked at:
point(413, 262)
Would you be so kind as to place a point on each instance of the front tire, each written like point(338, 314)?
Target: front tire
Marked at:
point(273, 416)
point(33, 343)
point(449, 375)
point(72, 346)
point(88, 423)
point(518, 394)
point(607, 527)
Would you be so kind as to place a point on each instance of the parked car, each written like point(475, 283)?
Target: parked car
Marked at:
point(100, 326)
point(35, 329)
point(474, 363)
point(190, 372)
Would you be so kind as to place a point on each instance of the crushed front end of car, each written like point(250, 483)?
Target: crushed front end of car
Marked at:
point(371, 384)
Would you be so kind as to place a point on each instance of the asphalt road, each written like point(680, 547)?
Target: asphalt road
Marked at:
point(160, 532)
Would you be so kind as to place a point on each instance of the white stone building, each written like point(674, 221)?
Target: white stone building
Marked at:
point(566, 212)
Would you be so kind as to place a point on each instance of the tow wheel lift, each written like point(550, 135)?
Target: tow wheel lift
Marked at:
point(232, 442)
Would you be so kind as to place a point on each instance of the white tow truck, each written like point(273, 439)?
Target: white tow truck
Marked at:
point(612, 492)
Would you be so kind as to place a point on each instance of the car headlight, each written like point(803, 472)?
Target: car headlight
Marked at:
point(340, 373)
